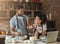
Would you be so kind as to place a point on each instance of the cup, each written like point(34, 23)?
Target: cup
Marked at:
point(8, 38)
point(13, 40)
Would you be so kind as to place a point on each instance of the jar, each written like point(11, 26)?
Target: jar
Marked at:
point(8, 37)
point(27, 0)
point(20, 0)
point(3, 32)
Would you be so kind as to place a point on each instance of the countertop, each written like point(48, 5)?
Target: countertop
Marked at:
point(21, 41)
point(2, 36)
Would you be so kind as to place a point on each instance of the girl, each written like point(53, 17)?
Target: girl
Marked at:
point(38, 27)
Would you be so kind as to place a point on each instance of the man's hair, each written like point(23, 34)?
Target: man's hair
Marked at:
point(19, 6)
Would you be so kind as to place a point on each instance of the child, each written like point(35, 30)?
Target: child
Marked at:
point(39, 29)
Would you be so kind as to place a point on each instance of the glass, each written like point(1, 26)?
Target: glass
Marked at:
point(40, 42)
point(3, 32)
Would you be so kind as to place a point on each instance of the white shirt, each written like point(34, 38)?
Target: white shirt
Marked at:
point(40, 28)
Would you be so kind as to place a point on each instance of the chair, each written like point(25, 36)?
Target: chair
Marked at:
point(52, 36)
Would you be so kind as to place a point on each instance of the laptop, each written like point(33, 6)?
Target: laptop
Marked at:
point(52, 36)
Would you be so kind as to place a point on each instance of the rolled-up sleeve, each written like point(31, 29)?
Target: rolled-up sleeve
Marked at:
point(12, 23)
point(44, 27)
point(27, 18)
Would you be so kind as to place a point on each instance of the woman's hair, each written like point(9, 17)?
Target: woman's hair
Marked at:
point(43, 17)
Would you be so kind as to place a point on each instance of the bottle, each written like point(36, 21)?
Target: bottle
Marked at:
point(13, 40)
point(27, 0)
point(16, 37)
point(20, 0)
point(15, 0)
point(7, 31)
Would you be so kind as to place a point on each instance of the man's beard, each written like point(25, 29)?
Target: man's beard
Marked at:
point(20, 14)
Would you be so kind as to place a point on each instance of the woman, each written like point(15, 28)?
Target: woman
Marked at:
point(39, 27)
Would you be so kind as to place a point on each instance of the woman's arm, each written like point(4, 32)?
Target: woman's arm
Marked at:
point(36, 34)
point(44, 30)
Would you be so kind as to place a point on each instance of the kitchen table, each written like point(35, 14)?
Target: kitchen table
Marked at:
point(35, 42)
point(27, 43)
point(31, 41)
point(2, 38)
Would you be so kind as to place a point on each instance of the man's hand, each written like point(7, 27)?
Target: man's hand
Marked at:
point(31, 27)
point(17, 33)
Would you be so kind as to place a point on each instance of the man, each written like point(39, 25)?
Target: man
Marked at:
point(19, 22)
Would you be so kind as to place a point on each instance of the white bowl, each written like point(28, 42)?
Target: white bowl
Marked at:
point(22, 37)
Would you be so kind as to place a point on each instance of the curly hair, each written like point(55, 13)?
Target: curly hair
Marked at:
point(42, 16)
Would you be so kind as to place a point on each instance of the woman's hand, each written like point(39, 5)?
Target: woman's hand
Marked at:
point(31, 27)
point(36, 34)
point(44, 32)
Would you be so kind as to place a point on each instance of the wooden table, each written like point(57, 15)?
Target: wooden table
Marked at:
point(17, 43)
point(37, 41)
point(24, 43)
point(2, 38)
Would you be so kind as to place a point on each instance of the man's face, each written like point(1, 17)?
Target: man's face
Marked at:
point(21, 11)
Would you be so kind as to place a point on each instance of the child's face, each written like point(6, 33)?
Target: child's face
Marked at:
point(37, 20)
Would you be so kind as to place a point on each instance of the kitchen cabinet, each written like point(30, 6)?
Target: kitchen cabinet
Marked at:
point(2, 40)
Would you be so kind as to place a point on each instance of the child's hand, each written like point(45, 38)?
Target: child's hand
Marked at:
point(39, 28)
point(36, 34)
point(31, 27)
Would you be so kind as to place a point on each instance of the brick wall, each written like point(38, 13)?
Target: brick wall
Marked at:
point(54, 7)
point(4, 24)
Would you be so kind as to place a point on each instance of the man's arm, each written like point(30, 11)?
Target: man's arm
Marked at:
point(28, 22)
point(12, 27)
point(12, 30)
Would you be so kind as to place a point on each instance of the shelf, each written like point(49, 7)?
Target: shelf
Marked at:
point(27, 10)
point(3, 9)
point(30, 8)
point(15, 10)
point(37, 10)
point(2, 36)
point(29, 18)
point(21, 1)
point(16, 1)
point(4, 18)
point(51, 28)
point(37, 2)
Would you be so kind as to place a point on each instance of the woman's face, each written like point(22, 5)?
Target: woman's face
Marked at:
point(37, 20)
